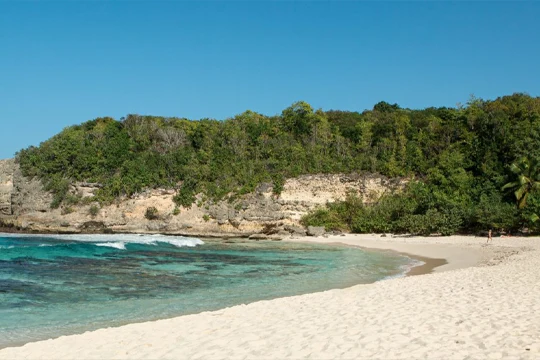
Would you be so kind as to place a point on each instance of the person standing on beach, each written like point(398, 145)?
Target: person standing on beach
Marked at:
point(489, 237)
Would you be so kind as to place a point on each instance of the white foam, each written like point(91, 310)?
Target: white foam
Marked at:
point(116, 245)
point(411, 265)
point(406, 268)
point(148, 239)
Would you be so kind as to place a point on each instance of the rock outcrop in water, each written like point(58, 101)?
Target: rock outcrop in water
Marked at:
point(262, 215)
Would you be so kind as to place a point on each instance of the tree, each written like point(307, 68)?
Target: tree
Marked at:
point(528, 180)
point(384, 107)
point(458, 157)
point(298, 118)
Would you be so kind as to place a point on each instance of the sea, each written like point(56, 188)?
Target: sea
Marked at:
point(53, 285)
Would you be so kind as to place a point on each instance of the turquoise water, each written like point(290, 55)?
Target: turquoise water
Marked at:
point(64, 284)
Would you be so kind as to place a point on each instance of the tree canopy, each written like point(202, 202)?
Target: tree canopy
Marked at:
point(458, 159)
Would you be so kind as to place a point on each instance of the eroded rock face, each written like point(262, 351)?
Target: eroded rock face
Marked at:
point(323, 188)
point(27, 194)
point(26, 205)
point(7, 167)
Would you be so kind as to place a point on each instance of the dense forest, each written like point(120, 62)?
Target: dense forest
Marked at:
point(470, 167)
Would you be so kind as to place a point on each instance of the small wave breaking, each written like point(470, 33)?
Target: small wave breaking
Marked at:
point(405, 269)
point(118, 241)
point(117, 245)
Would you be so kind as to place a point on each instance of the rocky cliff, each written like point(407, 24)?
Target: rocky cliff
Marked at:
point(6, 186)
point(25, 205)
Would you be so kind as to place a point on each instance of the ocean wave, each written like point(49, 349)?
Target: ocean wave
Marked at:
point(146, 239)
point(117, 245)
point(408, 267)
point(404, 269)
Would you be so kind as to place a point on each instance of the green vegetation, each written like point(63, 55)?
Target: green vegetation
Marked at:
point(94, 210)
point(458, 161)
point(151, 213)
point(528, 180)
point(67, 210)
point(527, 183)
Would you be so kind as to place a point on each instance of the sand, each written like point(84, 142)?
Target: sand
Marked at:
point(483, 304)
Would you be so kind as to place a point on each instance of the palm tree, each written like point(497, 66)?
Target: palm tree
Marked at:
point(528, 180)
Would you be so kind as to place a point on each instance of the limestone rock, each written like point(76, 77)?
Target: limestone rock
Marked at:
point(275, 237)
point(7, 168)
point(235, 223)
point(315, 230)
point(296, 230)
point(155, 226)
point(258, 237)
point(93, 226)
point(264, 188)
point(24, 202)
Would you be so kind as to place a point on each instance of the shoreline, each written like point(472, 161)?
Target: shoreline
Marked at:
point(427, 265)
point(400, 317)
point(437, 256)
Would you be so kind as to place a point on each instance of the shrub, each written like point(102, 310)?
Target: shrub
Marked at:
point(67, 210)
point(432, 222)
point(71, 199)
point(448, 222)
point(206, 217)
point(492, 213)
point(279, 183)
point(151, 213)
point(59, 186)
point(324, 217)
point(176, 210)
point(414, 225)
point(186, 194)
point(94, 210)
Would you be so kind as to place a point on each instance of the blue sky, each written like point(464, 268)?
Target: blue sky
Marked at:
point(62, 63)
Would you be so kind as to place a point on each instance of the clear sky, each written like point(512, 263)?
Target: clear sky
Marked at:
point(62, 63)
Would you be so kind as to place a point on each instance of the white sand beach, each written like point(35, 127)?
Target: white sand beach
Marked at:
point(484, 303)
